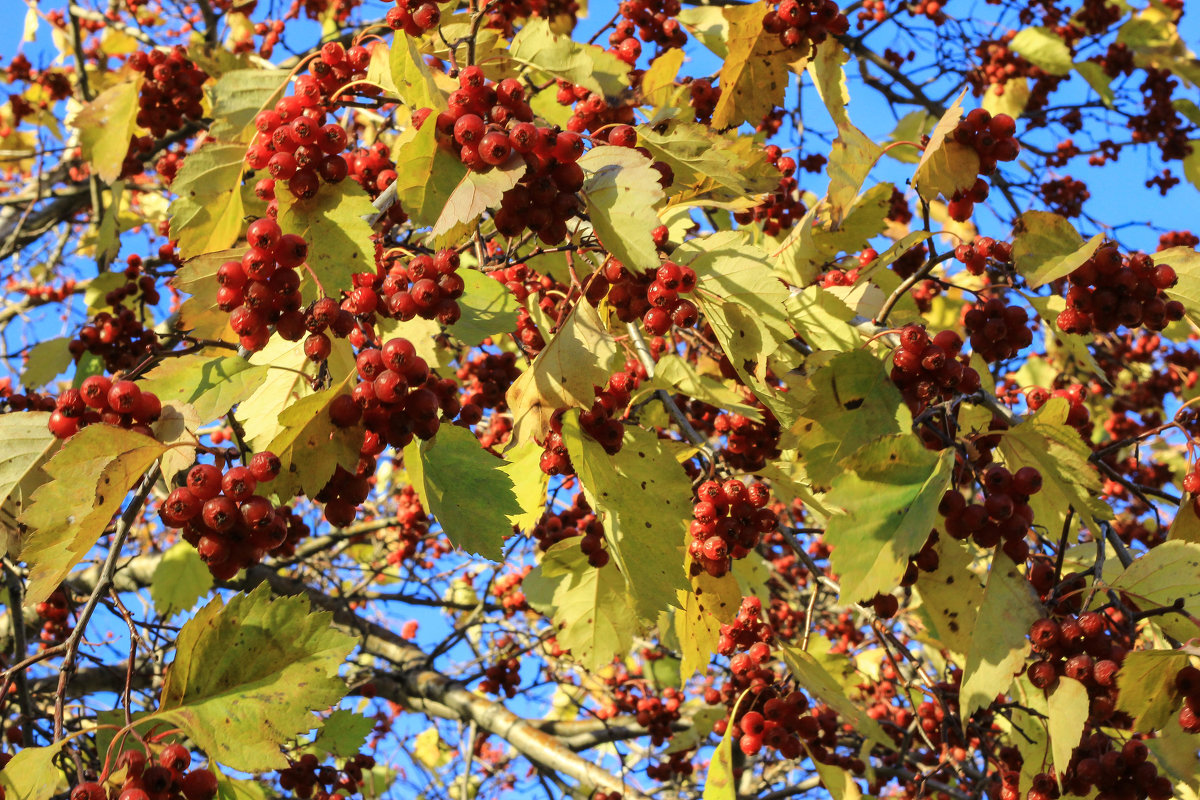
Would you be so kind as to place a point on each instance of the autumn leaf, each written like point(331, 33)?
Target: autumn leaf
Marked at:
point(591, 608)
point(251, 660)
point(620, 192)
point(564, 374)
point(207, 212)
point(754, 74)
point(887, 498)
point(338, 235)
point(946, 167)
point(90, 476)
point(105, 125)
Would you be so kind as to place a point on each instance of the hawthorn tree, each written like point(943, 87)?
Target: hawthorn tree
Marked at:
point(451, 400)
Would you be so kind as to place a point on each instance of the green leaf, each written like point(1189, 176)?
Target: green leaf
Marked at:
point(951, 596)
point(754, 74)
point(839, 782)
point(620, 192)
point(238, 96)
point(27, 444)
point(288, 378)
point(207, 214)
point(709, 166)
point(1043, 48)
point(1009, 97)
point(476, 193)
point(344, 732)
point(563, 375)
point(888, 497)
point(210, 382)
point(852, 403)
point(32, 773)
point(681, 376)
point(1160, 577)
point(946, 166)
point(465, 488)
point(815, 680)
point(199, 314)
point(742, 297)
point(1186, 263)
point(488, 308)
point(426, 175)
point(1191, 164)
point(704, 607)
point(853, 153)
point(911, 127)
point(338, 236)
point(89, 478)
point(822, 320)
point(48, 359)
point(247, 676)
point(411, 75)
point(1146, 685)
point(1098, 79)
point(708, 24)
point(310, 447)
point(591, 608)
point(1068, 712)
point(721, 782)
point(180, 579)
point(558, 56)
point(644, 498)
point(1047, 247)
point(998, 643)
point(523, 465)
point(1044, 441)
point(659, 85)
point(105, 126)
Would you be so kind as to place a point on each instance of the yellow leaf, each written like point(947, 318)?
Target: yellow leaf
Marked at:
point(620, 191)
point(754, 75)
point(703, 609)
point(105, 126)
point(563, 375)
point(946, 166)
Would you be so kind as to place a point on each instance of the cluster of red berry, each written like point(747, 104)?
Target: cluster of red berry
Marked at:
point(502, 677)
point(977, 254)
point(647, 21)
point(507, 589)
point(293, 142)
point(427, 286)
point(226, 520)
point(783, 207)
point(997, 331)
point(728, 520)
point(119, 336)
point(321, 318)
point(805, 23)
point(171, 90)
point(1078, 416)
point(99, 399)
point(992, 139)
point(55, 610)
point(1107, 291)
point(264, 286)
point(1004, 517)
point(397, 396)
point(484, 379)
point(1100, 767)
point(485, 124)
point(592, 111)
point(577, 519)
point(170, 777)
point(306, 778)
point(414, 18)
point(926, 371)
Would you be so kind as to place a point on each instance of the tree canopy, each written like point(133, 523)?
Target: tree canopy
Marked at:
point(673, 399)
